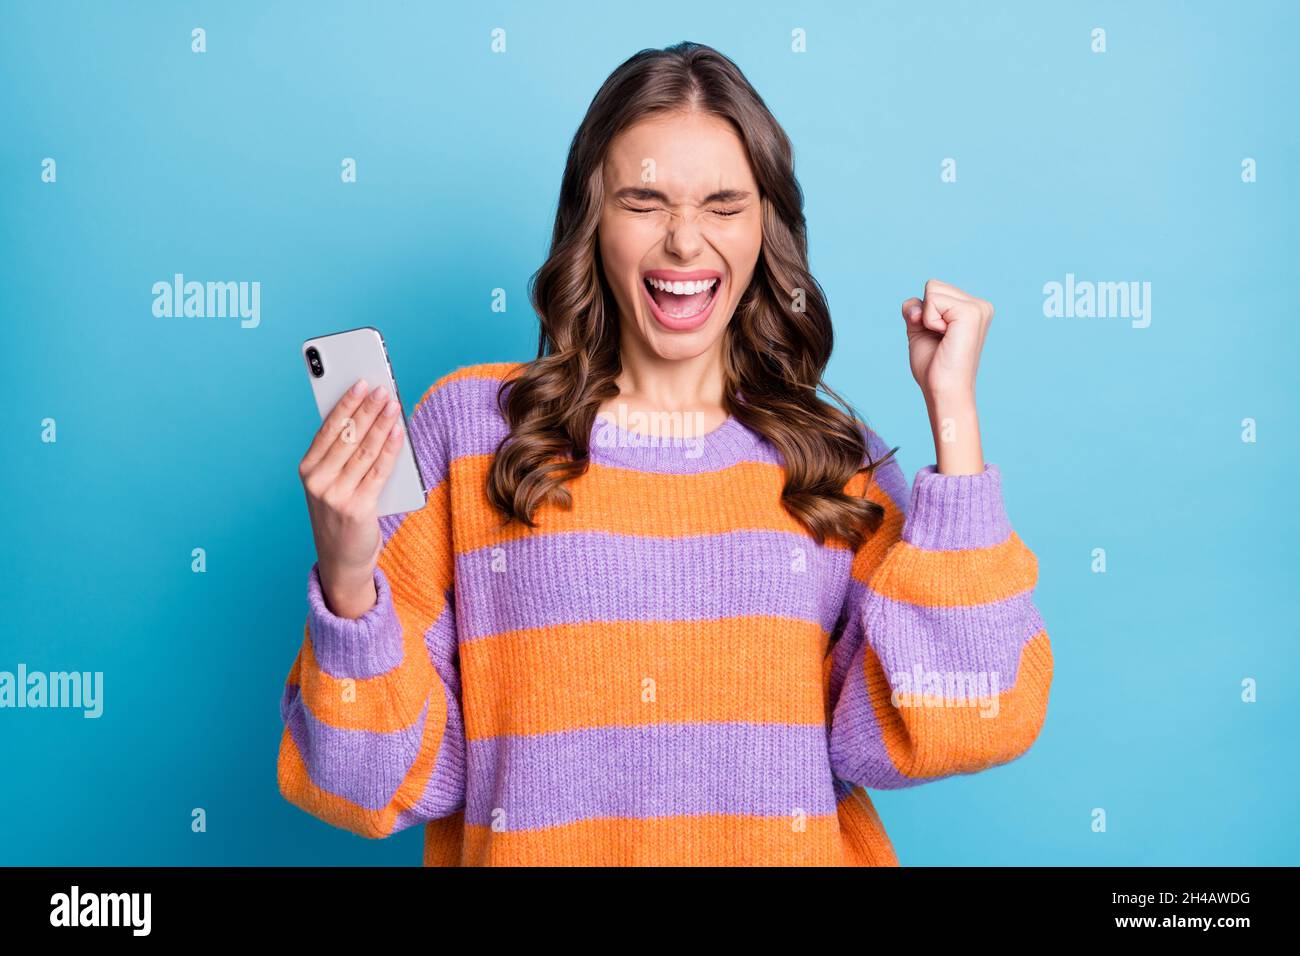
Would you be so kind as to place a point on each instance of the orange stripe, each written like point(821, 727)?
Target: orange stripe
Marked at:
point(865, 840)
point(444, 840)
point(957, 578)
point(958, 739)
point(380, 704)
point(621, 501)
point(663, 841)
point(633, 673)
point(418, 560)
point(873, 550)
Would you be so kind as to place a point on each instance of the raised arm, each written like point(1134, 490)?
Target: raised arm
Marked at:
point(944, 665)
point(373, 739)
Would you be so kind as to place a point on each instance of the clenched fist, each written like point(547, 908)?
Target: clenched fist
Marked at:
point(945, 334)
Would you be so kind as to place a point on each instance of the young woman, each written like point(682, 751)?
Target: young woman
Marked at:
point(664, 604)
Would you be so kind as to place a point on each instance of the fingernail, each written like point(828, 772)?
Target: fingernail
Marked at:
point(397, 431)
point(390, 409)
point(359, 387)
point(379, 393)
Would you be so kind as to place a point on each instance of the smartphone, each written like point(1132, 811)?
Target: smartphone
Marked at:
point(334, 363)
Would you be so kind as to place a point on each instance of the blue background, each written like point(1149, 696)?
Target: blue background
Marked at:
point(181, 433)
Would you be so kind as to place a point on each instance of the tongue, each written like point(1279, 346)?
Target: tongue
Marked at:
point(679, 306)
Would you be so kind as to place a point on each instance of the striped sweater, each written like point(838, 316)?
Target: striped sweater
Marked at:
point(671, 671)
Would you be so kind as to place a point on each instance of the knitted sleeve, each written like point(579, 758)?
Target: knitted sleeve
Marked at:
point(373, 737)
point(943, 665)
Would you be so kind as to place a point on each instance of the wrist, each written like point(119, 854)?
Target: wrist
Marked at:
point(348, 593)
point(954, 423)
point(959, 401)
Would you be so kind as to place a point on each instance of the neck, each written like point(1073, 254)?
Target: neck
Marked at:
point(650, 381)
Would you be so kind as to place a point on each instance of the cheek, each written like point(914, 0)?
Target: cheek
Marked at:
point(751, 239)
point(624, 246)
point(608, 240)
point(617, 261)
point(740, 245)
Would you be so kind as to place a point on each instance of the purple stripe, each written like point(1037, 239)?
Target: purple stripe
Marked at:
point(359, 648)
point(561, 578)
point(362, 766)
point(844, 789)
point(366, 767)
point(529, 782)
point(440, 641)
point(987, 638)
point(941, 638)
point(857, 746)
point(729, 443)
point(849, 640)
point(952, 512)
point(445, 791)
point(468, 407)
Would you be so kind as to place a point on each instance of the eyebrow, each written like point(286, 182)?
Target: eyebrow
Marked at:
point(653, 195)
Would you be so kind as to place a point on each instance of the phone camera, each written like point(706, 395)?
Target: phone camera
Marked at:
point(314, 363)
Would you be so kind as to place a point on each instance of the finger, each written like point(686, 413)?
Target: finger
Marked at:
point(961, 319)
point(945, 309)
point(912, 312)
point(353, 431)
point(932, 310)
point(372, 482)
point(368, 449)
point(332, 425)
point(946, 288)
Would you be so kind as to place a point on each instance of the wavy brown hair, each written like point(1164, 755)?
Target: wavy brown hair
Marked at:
point(774, 354)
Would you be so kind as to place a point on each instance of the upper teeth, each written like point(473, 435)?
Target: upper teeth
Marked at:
point(682, 288)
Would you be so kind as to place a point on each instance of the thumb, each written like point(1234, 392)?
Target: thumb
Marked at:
point(912, 312)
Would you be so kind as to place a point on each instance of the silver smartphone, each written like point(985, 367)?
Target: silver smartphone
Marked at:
point(334, 363)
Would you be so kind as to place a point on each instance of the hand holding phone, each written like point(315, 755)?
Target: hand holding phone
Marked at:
point(358, 466)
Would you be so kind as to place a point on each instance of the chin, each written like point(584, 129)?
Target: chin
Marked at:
point(679, 351)
point(679, 346)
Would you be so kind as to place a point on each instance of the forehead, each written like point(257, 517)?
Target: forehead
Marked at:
point(688, 154)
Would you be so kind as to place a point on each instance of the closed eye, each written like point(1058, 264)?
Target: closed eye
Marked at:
point(725, 213)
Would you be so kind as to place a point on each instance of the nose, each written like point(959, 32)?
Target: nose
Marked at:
point(683, 239)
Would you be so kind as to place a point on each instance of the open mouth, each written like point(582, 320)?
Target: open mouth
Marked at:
point(681, 303)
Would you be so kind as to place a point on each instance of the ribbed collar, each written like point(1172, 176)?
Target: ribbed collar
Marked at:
point(729, 443)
